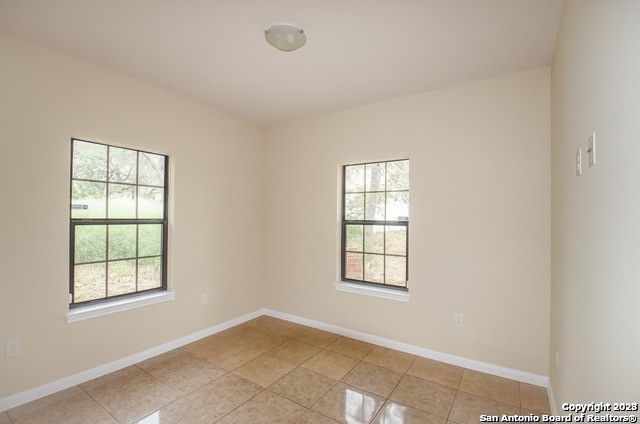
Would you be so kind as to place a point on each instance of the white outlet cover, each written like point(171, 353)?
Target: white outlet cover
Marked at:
point(12, 348)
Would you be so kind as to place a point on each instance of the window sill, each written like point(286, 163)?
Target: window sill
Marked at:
point(399, 295)
point(85, 312)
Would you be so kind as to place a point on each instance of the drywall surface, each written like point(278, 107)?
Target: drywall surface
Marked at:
point(480, 218)
point(595, 318)
point(216, 195)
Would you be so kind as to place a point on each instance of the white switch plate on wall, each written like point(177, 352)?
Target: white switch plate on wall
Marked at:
point(458, 319)
point(579, 162)
point(592, 149)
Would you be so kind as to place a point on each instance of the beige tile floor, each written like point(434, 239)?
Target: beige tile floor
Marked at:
point(273, 371)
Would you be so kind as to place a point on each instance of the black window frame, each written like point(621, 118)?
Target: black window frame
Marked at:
point(74, 222)
point(364, 222)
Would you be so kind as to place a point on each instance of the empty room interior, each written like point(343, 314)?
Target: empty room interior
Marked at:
point(319, 211)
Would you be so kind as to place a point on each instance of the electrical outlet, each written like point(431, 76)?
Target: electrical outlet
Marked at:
point(204, 299)
point(458, 319)
point(557, 356)
point(12, 348)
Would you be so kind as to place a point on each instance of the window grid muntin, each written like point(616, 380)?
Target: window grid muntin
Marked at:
point(74, 222)
point(365, 222)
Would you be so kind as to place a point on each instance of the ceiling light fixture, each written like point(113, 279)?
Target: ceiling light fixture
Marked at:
point(285, 37)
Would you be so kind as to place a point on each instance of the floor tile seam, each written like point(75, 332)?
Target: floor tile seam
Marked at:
point(396, 386)
point(104, 408)
point(361, 361)
point(455, 396)
point(488, 398)
point(431, 382)
point(268, 389)
point(495, 400)
point(318, 401)
point(335, 382)
point(159, 380)
point(243, 403)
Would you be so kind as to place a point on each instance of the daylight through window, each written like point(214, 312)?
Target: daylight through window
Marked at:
point(375, 223)
point(118, 232)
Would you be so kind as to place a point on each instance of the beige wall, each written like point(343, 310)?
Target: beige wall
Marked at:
point(595, 318)
point(479, 240)
point(255, 225)
point(217, 197)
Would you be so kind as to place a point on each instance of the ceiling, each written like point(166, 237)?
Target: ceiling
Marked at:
point(358, 51)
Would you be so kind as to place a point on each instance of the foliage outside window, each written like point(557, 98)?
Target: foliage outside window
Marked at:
point(375, 223)
point(118, 231)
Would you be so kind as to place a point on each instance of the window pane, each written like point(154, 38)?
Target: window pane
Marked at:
point(398, 175)
point(375, 176)
point(375, 206)
point(122, 165)
point(354, 178)
point(122, 241)
point(89, 282)
point(149, 273)
point(396, 240)
point(122, 201)
point(89, 161)
point(374, 239)
point(374, 268)
point(122, 277)
point(150, 240)
point(151, 170)
point(354, 238)
point(88, 200)
point(397, 205)
point(354, 206)
point(396, 270)
point(150, 202)
point(353, 266)
point(90, 243)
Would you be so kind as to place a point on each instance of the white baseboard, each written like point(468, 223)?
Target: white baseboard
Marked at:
point(29, 395)
point(525, 377)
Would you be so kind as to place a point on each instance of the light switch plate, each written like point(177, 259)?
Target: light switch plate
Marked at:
point(592, 149)
point(579, 162)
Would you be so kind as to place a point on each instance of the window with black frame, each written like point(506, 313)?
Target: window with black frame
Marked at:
point(118, 227)
point(375, 223)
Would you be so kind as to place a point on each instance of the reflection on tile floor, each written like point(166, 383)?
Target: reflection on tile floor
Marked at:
point(273, 371)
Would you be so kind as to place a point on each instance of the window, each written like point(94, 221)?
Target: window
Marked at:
point(118, 231)
point(375, 223)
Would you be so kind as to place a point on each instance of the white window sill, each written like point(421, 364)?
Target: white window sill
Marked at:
point(85, 312)
point(399, 295)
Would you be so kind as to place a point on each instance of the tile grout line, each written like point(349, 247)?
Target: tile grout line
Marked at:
point(455, 395)
point(263, 389)
point(336, 382)
point(289, 338)
point(96, 401)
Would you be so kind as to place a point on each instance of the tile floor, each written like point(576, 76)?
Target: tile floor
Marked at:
point(273, 371)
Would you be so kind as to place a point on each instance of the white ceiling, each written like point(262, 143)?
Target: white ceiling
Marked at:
point(358, 51)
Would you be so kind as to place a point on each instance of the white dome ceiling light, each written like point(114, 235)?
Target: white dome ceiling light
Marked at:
point(285, 37)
